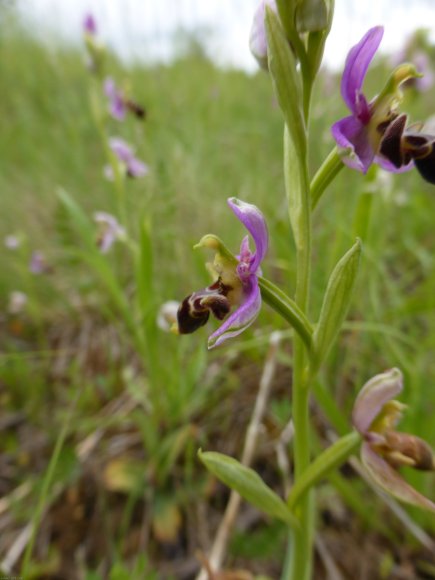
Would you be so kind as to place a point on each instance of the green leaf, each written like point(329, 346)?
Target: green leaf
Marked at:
point(248, 484)
point(336, 303)
point(286, 81)
point(296, 185)
point(330, 459)
point(287, 308)
point(145, 277)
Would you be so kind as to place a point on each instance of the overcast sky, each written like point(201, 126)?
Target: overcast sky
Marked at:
point(143, 28)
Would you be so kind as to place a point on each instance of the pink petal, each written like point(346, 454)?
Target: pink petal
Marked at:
point(242, 317)
point(253, 220)
point(350, 133)
point(373, 396)
point(391, 481)
point(355, 69)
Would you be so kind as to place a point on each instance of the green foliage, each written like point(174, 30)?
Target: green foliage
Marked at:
point(210, 134)
point(248, 484)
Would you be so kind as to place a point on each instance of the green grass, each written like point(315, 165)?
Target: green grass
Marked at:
point(209, 134)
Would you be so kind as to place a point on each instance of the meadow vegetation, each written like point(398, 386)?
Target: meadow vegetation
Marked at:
point(102, 412)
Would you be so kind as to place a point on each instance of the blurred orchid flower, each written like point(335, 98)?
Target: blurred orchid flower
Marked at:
point(167, 315)
point(38, 263)
point(89, 24)
point(360, 135)
point(257, 37)
point(116, 99)
point(12, 242)
point(236, 284)
point(17, 302)
point(132, 166)
point(423, 64)
point(109, 230)
point(118, 103)
point(375, 416)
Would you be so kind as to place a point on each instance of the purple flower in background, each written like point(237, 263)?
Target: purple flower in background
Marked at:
point(257, 37)
point(422, 62)
point(384, 450)
point(116, 99)
point(360, 134)
point(38, 263)
point(236, 284)
point(89, 24)
point(132, 166)
point(110, 230)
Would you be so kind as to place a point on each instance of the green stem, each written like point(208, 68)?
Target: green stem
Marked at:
point(299, 560)
point(332, 457)
point(325, 174)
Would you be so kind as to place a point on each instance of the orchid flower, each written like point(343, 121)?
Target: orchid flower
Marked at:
point(236, 284)
point(116, 99)
point(89, 24)
point(384, 450)
point(118, 103)
point(38, 264)
point(257, 37)
point(12, 242)
point(17, 302)
point(132, 166)
point(360, 134)
point(110, 230)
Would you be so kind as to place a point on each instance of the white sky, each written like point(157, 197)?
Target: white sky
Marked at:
point(141, 28)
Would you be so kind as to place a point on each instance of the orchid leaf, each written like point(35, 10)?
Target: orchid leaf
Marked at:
point(286, 81)
point(336, 302)
point(248, 484)
point(287, 308)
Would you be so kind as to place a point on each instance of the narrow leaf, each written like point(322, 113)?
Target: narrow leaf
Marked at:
point(248, 484)
point(287, 308)
point(296, 186)
point(324, 463)
point(336, 302)
point(286, 81)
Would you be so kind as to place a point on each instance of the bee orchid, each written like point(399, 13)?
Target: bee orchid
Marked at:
point(360, 135)
point(236, 284)
point(384, 450)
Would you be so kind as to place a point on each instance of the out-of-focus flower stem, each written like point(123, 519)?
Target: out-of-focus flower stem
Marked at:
point(118, 178)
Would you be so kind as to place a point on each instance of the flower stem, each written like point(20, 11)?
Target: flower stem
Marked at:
point(299, 560)
point(325, 174)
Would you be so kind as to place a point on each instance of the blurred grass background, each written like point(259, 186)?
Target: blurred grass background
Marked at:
point(209, 134)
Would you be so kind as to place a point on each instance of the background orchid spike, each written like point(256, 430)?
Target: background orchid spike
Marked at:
point(360, 134)
point(257, 37)
point(236, 284)
point(375, 416)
